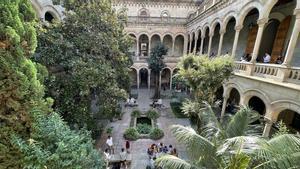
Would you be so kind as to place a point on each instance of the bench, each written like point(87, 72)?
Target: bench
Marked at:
point(116, 158)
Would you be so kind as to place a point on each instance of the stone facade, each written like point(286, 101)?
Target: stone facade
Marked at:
point(218, 27)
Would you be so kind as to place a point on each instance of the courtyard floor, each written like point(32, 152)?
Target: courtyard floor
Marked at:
point(139, 148)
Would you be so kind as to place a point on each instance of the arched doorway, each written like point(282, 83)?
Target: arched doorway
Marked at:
point(248, 34)
point(179, 46)
point(257, 105)
point(268, 39)
point(206, 41)
point(143, 78)
point(155, 40)
point(168, 42)
point(215, 40)
point(133, 77)
point(165, 79)
point(233, 101)
point(228, 36)
point(133, 49)
point(49, 17)
point(144, 45)
point(291, 119)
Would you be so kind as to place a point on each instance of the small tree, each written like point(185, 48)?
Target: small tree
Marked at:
point(156, 64)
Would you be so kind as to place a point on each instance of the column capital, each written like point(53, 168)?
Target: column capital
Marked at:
point(222, 31)
point(262, 22)
point(297, 13)
point(238, 27)
point(202, 36)
point(211, 35)
point(268, 120)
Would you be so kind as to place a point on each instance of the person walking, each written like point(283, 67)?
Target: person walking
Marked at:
point(110, 145)
point(127, 146)
point(123, 157)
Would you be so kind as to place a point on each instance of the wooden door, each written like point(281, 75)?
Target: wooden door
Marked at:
point(251, 39)
point(278, 46)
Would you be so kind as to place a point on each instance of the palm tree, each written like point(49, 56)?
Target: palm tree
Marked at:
point(206, 149)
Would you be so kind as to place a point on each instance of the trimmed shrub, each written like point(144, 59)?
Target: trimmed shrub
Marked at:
point(143, 128)
point(152, 114)
point(156, 134)
point(176, 108)
point(131, 134)
point(136, 113)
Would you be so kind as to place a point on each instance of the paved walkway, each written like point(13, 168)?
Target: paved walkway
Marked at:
point(139, 148)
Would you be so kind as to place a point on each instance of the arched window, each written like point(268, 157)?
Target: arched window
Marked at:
point(143, 15)
point(165, 16)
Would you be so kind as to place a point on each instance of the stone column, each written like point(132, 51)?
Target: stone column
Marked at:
point(225, 99)
point(209, 44)
point(202, 43)
point(191, 40)
point(159, 81)
point(149, 79)
point(293, 41)
point(268, 127)
point(138, 79)
point(137, 49)
point(149, 47)
point(195, 46)
point(171, 79)
point(261, 24)
point(185, 45)
point(173, 47)
point(222, 32)
point(236, 39)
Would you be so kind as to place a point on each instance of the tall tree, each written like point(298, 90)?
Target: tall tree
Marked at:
point(156, 64)
point(87, 56)
point(31, 135)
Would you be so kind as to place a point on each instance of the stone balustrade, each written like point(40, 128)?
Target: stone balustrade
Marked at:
point(156, 20)
point(294, 75)
point(269, 71)
point(266, 70)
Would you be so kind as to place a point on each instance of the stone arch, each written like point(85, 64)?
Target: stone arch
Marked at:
point(248, 94)
point(277, 15)
point(178, 45)
point(52, 10)
point(205, 27)
point(165, 13)
point(144, 42)
point(168, 34)
point(143, 12)
point(246, 9)
point(133, 75)
point(37, 7)
point(267, 9)
point(229, 86)
point(228, 17)
point(280, 105)
point(214, 23)
point(168, 42)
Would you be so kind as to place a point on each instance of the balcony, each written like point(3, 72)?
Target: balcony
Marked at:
point(170, 21)
point(275, 72)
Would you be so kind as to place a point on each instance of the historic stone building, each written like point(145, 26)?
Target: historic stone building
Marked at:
point(218, 27)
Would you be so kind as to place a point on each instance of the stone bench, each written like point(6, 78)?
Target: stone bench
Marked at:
point(115, 158)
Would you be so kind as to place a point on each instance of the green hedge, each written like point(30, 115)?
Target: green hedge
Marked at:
point(131, 134)
point(143, 128)
point(176, 108)
point(156, 134)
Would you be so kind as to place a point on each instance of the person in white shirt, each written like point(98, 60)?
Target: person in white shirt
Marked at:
point(107, 157)
point(123, 157)
point(110, 144)
point(267, 58)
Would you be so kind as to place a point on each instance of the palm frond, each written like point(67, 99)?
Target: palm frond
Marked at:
point(197, 146)
point(281, 152)
point(239, 125)
point(172, 162)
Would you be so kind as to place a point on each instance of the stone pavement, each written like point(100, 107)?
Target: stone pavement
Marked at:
point(139, 148)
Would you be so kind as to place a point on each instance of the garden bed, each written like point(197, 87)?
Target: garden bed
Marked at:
point(143, 126)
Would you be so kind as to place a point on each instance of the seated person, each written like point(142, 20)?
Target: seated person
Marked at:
point(267, 58)
point(123, 156)
point(279, 60)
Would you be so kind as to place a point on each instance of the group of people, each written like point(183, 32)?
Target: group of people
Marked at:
point(266, 58)
point(156, 150)
point(131, 102)
point(109, 153)
point(156, 103)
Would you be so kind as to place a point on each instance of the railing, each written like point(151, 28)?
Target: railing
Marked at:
point(156, 20)
point(276, 72)
point(143, 59)
point(294, 75)
point(266, 70)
